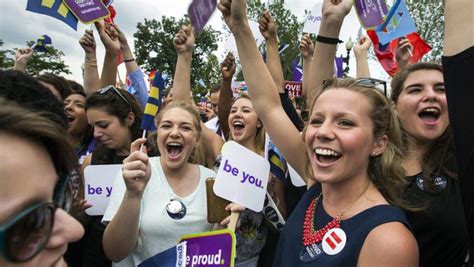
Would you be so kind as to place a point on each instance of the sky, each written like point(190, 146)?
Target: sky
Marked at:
point(17, 26)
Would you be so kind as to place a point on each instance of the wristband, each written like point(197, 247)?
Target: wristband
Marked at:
point(327, 40)
point(129, 60)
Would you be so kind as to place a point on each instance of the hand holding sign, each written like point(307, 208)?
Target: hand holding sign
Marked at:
point(136, 170)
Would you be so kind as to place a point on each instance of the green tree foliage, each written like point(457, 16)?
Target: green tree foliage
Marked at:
point(154, 50)
point(40, 62)
point(429, 19)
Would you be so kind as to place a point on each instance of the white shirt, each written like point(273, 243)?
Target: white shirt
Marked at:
point(157, 230)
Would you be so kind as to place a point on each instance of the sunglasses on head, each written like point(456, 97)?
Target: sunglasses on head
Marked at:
point(116, 91)
point(25, 235)
point(364, 82)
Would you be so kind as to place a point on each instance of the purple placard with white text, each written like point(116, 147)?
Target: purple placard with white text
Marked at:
point(87, 11)
point(216, 248)
point(199, 12)
point(371, 13)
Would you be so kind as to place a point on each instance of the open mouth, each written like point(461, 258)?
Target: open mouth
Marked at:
point(325, 155)
point(174, 149)
point(238, 126)
point(70, 118)
point(429, 115)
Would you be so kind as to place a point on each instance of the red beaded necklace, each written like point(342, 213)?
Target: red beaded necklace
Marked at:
point(312, 236)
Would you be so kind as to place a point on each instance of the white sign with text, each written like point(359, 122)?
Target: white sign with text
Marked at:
point(242, 176)
point(98, 182)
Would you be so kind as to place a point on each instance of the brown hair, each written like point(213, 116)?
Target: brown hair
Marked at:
point(439, 157)
point(37, 128)
point(198, 156)
point(385, 170)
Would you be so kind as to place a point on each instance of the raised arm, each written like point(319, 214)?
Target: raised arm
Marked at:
point(225, 96)
point(268, 27)
point(109, 38)
point(91, 74)
point(306, 49)
point(322, 65)
point(135, 74)
point(458, 26)
point(361, 50)
point(184, 44)
point(262, 89)
point(22, 56)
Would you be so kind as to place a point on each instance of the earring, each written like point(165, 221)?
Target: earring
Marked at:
point(374, 153)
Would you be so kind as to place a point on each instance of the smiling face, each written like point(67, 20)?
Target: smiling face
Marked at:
point(177, 136)
point(243, 121)
point(109, 130)
point(339, 137)
point(422, 107)
point(28, 177)
point(74, 106)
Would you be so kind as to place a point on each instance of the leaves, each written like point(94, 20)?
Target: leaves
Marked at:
point(154, 49)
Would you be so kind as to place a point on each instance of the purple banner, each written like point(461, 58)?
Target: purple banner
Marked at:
point(216, 248)
point(371, 13)
point(199, 12)
point(87, 11)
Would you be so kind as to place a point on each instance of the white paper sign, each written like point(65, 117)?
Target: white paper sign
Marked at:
point(98, 182)
point(313, 20)
point(295, 178)
point(242, 176)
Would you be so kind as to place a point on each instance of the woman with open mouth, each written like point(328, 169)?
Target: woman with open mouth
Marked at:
point(348, 153)
point(159, 198)
point(419, 98)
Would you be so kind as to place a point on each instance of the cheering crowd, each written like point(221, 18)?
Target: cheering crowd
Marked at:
point(389, 177)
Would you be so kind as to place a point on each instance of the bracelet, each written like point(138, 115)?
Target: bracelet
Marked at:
point(327, 40)
point(128, 60)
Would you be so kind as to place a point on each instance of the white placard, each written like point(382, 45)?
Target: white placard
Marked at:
point(242, 176)
point(98, 182)
point(295, 178)
point(313, 20)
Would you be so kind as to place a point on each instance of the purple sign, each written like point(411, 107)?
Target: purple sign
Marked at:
point(87, 11)
point(371, 13)
point(216, 248)
point(199, 12)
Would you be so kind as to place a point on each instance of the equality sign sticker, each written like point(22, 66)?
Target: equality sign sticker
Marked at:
point(334, 241)
point(216, 248)
point(87, 11)
point(199, 12)
point(371, 13)
point(242, 176)
point(98, 182)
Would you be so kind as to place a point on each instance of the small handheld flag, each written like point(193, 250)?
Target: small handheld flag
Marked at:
point(153, 103)
point(54, 8)
point(398, 23)
point(41, 43)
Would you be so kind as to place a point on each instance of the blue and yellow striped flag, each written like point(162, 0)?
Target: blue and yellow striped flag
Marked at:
point(153, 103)
point(53, 8)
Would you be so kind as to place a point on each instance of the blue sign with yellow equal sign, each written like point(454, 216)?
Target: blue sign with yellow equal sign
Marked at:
point(53, 8)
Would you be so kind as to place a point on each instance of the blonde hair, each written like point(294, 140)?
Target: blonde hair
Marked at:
point(385, 170)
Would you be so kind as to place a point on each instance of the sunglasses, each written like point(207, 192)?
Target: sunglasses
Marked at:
point(26, 234)
point(364, 82)
point(113, 89)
